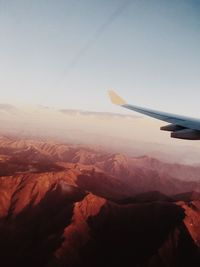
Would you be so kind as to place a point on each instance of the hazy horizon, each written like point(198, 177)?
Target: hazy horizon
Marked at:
point(123, 133)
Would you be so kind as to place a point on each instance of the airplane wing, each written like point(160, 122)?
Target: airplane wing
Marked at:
point(181, 127)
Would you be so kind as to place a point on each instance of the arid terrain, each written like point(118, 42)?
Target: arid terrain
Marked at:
point(77, 206)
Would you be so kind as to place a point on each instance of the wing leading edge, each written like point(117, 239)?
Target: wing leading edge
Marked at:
point(181, 127)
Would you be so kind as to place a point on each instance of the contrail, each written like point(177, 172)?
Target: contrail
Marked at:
point(91, 41)
point(96, 36)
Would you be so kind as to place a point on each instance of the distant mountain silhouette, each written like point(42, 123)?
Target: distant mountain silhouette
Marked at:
point(75, 112)
point(8, 108)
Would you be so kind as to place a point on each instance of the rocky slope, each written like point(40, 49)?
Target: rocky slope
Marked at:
point(140, 174)
point(63, 205)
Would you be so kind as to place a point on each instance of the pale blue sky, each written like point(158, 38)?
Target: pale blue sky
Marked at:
point(68, 53)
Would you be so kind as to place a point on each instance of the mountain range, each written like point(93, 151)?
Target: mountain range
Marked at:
point(73, 205)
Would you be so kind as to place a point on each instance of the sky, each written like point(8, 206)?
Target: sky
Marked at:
point(67, 54)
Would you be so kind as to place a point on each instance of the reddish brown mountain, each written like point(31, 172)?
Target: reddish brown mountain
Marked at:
point(140, 174)
point(64, 205)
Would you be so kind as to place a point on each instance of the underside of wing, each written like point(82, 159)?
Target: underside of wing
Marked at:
point(181, 127)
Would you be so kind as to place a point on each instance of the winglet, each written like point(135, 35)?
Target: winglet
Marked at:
point(115, 99)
